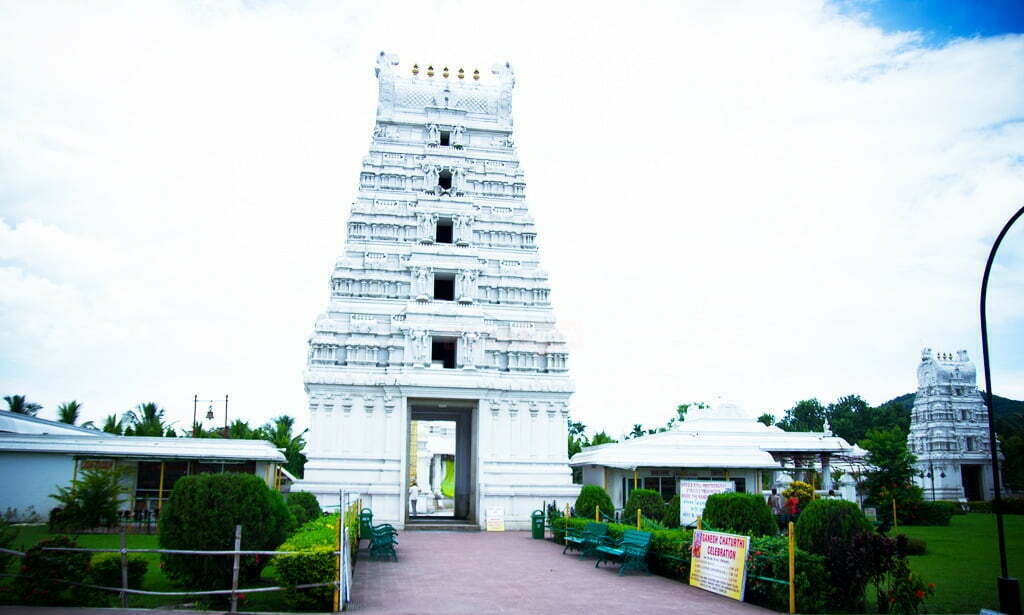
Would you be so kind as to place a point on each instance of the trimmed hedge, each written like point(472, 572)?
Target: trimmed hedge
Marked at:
point(1011, 506)
point(913, 546)
point(105, 570)
point(825, 520)
point(307, 502)
point(671, 518)
point(669, 556)
point(315, 565)
point(202, 513)
point(590, 497)
point(648, 501)
point(928, 513)
point(740, 513)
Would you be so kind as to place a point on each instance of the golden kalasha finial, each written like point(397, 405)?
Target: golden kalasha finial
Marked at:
point(430, 70)
point(462, 73)
point(444, 73)
point(476, 74)
point(415, 69)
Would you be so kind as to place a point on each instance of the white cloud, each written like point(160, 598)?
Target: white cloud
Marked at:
point(778, 201)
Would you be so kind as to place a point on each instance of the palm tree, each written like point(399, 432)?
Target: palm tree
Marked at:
point(146, 419)
point(18, 405)
point(240, 430)
point(68, 412)
point(638, 430)
point(112, 424)
point(279, 433)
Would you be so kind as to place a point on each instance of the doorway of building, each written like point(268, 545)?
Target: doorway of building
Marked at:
point(970, 477)
point(440, 476)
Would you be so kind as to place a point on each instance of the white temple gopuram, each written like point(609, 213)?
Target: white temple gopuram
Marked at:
point(439, 310)
point(949, 429)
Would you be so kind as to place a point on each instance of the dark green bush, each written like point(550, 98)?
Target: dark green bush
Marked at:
point(7, 536)
point(958, 509)
point(912, 546)
point(105, 570)
point(298, 513)
point(1011, 506)
point(306, 501)
point(42, 570)
point(592, 496)
point(671, 518)
point(928, 513)
point(201, 514)
point(90, 501)
point(740, 513)
point(769, 557)
point(648, 501)
point(824, 520)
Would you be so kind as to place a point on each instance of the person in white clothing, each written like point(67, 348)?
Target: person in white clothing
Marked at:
point(414, 494)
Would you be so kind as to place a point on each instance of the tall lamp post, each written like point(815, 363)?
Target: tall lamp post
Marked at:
point(1009, 587)
point(209, 413)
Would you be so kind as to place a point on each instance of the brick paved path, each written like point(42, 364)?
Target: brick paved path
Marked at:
point(476, 573)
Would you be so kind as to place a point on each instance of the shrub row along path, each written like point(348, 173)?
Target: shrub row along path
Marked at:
point(509, 572)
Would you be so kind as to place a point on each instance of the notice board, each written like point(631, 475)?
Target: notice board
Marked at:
point(719, 563)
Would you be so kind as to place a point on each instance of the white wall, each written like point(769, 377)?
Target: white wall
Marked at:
point(28, 479)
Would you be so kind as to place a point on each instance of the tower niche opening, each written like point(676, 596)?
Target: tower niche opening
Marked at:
point(444, 180)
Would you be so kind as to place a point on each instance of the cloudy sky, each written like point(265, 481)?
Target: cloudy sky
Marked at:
point(759, 201)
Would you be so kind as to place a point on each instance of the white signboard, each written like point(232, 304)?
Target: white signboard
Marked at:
point(495, 519)
point(693, 494)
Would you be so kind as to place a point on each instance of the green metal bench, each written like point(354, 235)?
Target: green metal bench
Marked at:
point(383, 539)
point(631, 551)
point(587, 540)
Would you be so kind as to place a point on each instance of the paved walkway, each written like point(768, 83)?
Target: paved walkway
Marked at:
point(478, 572)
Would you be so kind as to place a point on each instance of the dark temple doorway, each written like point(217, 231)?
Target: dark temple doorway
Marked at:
point(439, 469)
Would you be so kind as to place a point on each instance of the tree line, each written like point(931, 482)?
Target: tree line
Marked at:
point(149, 419)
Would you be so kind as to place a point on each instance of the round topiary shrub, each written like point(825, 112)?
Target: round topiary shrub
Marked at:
point(306, 501)
point(648, 501)
point(740, 513)
point(671, 518)
point(826, 520)
point(201, 515)
point(592, 496)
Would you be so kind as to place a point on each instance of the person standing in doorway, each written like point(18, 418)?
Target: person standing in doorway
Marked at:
point(414, 494)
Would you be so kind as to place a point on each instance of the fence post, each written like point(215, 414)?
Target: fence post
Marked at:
point(699, 522)
point(597, 514)
point(895, 525)
point(792, 570)
point(234, 569)
point(337, 548)
point(638, 518)
point(124, 572)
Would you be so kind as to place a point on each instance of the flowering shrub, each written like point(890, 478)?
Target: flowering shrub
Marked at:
point(907, 590)
point(41, 572)
point(803, 492)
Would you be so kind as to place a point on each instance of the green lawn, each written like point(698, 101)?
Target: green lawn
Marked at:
point(154, 579)
point(963, 560)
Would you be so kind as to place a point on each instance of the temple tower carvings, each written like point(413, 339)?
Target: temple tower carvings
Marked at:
point(949, 429)
point(438, 303)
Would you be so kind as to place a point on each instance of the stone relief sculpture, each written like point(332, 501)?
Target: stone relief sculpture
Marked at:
point(465, 285)
point(422, 283)
point(386, 78)
point(427, 224)
point(507, 80)
point(470, 341)
point(433, 134)
point(458, 136)
point(431, 173)
point(463, 229)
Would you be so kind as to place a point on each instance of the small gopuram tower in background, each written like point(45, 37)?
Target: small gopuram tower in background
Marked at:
point(439, 310)
point(949, 429)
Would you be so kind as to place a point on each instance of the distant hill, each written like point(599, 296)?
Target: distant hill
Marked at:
point(1004, 408)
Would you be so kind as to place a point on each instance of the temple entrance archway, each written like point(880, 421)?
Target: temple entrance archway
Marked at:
point(444, 477)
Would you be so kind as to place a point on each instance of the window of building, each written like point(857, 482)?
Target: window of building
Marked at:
point(446, 138)
point(442, 352)
point(444, 286)
point(444, 179)
point(972, 444)
point(665, 485)
point(445, 231)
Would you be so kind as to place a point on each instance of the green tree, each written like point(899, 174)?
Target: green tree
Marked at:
point(113, 424)
point(69, 412)
point(577, 439)
point(602, 438)
point(805, 415)
point(1013, 465)
point(92, 500)
point(18, 405)
point(892, 468)
point(241, 430)
point(638, 430)
point(147, 419)
point(279, 432)
point(767, 419)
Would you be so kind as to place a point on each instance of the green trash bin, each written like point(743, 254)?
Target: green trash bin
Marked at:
point(538, 524)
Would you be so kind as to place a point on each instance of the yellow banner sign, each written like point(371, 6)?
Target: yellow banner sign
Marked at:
point(719, 563)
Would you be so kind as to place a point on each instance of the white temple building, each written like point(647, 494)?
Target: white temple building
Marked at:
point(720, 443)
point(949, 429)
point(440, 310)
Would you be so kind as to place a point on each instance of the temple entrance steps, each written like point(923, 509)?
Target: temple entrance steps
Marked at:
point(446, 525)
